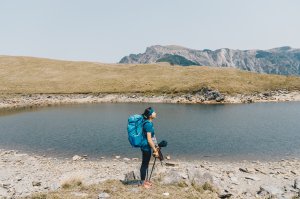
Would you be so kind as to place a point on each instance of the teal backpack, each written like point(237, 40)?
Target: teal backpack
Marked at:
point(135, 132)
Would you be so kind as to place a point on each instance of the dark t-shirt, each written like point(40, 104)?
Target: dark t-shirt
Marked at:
point(148, 127)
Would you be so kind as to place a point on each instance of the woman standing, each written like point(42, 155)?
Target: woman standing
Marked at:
point(148, 131)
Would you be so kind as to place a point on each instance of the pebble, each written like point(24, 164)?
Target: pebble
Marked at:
point(76, 158)
point(293, 172)
point(254, 178)
point(36, 184)
point(166, 194)
point(103, 195)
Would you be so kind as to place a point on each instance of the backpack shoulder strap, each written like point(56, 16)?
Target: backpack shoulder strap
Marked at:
point(146, 121)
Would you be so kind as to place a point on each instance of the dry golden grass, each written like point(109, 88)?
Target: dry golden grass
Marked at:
point(118, 190)
point(71, 183)
point(38, 75)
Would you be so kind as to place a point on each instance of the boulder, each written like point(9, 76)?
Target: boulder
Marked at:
point(172, 177)
point(269, 190)
point(195, 176)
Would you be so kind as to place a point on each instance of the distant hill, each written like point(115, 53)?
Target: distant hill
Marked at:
point(39, 75)
point(283, 61)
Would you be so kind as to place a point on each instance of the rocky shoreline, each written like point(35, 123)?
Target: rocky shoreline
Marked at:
point(22, 175)
point(203, 96)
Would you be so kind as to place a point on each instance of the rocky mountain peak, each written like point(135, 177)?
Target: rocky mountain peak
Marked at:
point(283, 60)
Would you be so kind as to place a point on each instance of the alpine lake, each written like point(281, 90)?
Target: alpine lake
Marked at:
point(258, 131)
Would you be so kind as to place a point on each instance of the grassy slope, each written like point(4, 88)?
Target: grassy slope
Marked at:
point(38, 75)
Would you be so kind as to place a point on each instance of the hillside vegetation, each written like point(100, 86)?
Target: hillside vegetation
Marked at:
point(39, 75)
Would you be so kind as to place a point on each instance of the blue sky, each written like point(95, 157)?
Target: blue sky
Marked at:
point(105, 31)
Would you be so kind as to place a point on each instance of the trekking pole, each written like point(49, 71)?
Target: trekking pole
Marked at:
point(152, 169)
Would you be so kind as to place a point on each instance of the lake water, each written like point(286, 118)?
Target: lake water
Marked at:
point(260, 131)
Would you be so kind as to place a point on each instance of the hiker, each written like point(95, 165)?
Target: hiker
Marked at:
point(151, 144)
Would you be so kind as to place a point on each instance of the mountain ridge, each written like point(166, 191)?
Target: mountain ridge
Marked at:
point(283, 60)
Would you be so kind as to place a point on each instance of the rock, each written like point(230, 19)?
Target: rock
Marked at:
point(130, 176)
point(220, 99)
point(293, 172)
point(195, 176)
point(168, 157)
point(76, 158)
point(266, 94)
point(103, 195)
point(248, 100)
point(126, 159)
point(296, 183)
point(234, 179)
point(166, 194)
point(269, 190)
point(230, 174)
point(260, 171)
point(245, 170)
point(135, 159)
point(36, 183)
point(3, 193)
point(213, 95)
point(254, 178)
point(171, 177)
point(6, 185)
point(117, 157)
point(226, 195)
point(188, 97)
point(169, 164)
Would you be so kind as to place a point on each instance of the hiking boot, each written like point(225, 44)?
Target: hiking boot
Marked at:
point(148, 183)
point(145, 185)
